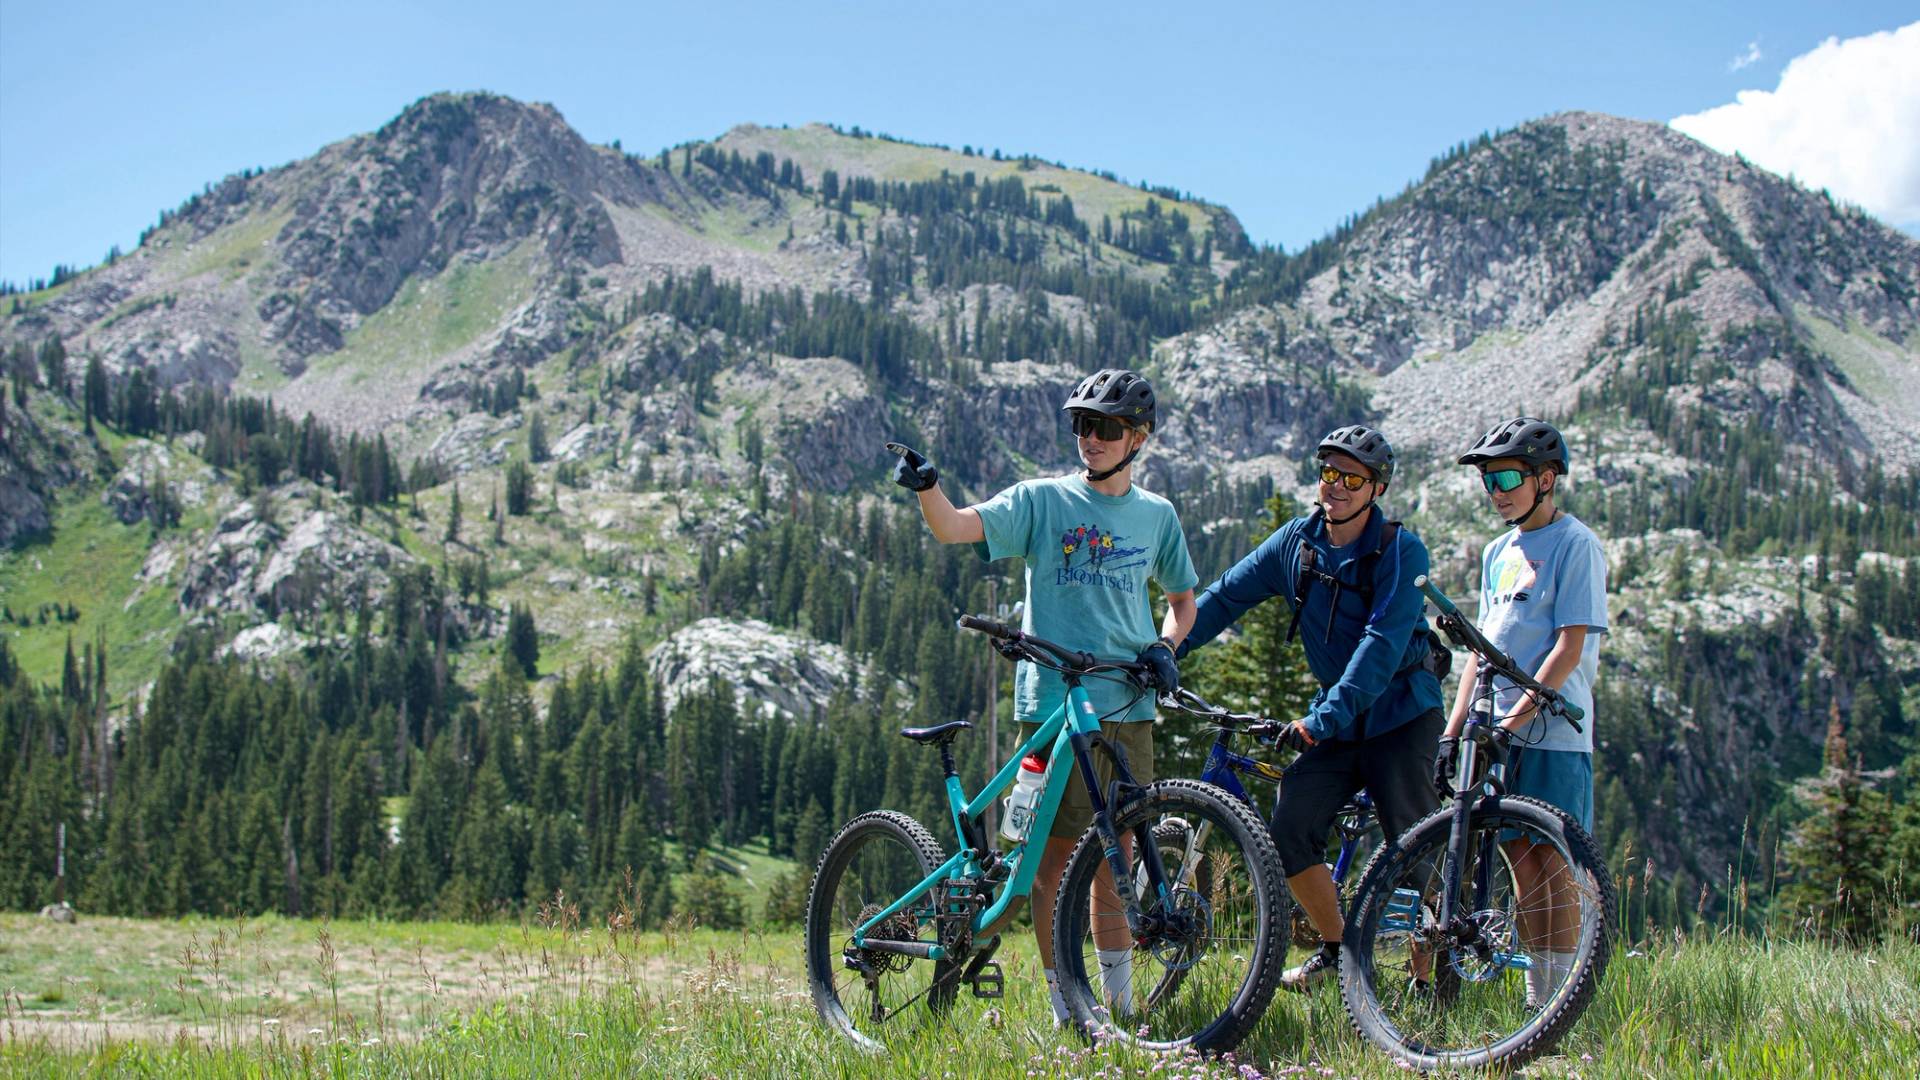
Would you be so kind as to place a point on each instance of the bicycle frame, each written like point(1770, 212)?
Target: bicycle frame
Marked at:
point(1223, 770)
point(1069, 730)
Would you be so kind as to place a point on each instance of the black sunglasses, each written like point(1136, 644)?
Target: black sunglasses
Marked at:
point(1104, 428)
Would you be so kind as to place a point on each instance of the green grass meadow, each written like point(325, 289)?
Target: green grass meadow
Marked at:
point(278, 997)
point(95, 567)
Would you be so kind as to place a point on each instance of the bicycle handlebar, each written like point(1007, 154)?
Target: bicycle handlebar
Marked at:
point(1260, 727)
point(1067, 659)
point(1469, 637)
point(988, 627)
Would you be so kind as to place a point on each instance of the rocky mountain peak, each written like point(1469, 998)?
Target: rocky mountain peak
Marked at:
point(1512, 278)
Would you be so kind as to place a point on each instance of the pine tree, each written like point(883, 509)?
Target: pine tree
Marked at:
point(640, 878)
point(523, 640)
point(709, 897)
point(519, 490)
point(452, 535)
point(537, 437)
point(489, 853)
point(1257, 671)
point(1836, 854)
point(688, 776)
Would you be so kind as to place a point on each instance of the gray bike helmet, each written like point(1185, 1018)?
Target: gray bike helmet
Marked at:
point(1528, 438)
point(1115, 392)
point(1364, 445)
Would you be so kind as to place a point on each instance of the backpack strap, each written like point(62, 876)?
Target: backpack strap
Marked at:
point(1309, 571)
point(1303, 575)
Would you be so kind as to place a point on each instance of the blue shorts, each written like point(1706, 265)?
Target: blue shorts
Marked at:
point(1562, 778)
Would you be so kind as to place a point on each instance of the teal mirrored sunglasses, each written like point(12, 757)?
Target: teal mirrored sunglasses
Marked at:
point(1503, 479)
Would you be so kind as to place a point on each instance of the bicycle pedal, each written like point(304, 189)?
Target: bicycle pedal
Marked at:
point(989, 983)
point(1400, 912)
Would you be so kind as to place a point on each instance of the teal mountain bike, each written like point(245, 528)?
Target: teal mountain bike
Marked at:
point(1476, 939)
point(895, 926)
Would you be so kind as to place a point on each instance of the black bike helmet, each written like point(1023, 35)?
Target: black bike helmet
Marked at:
point(1528, 438)
point(1115, 392)
point(1364, 445)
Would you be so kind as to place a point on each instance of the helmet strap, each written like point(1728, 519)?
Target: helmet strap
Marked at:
point(1539, 494)
point(1331, 520)
point(1096, 477)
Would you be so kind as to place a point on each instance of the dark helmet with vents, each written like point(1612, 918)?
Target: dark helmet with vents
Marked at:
point(1528, 438)
point(1364, 445)
point(1116, 392)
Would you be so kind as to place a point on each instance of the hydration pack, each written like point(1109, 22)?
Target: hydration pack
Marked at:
point(1437, 659)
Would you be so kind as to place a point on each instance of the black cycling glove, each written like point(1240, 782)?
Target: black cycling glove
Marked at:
point(1163, 673)
point(913, 471)
point(1444, 761)
point(1499, 743)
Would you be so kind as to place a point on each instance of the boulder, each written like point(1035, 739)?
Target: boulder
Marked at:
point(773, 672)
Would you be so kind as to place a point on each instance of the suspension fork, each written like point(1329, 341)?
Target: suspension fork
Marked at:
point(1138, 923)
point(1463, 800)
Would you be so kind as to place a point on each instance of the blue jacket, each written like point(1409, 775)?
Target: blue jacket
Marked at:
point(1368, 659)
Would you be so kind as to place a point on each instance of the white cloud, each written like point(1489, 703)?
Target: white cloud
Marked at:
point(1747, 59)
point(1845, 117)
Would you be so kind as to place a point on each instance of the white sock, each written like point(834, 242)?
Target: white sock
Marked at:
point(1540, 980)
point(1053, 997)
point(1116, 978)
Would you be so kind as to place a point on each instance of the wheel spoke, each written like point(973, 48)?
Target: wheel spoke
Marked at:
point(874, 861)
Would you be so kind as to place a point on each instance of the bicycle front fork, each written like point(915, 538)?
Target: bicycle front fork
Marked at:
point(1141, 925)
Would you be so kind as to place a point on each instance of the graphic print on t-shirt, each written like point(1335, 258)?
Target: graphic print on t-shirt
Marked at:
point(1515, 574)
point(1101, 556)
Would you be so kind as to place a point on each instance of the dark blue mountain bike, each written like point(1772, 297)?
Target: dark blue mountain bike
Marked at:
point(1356, 831)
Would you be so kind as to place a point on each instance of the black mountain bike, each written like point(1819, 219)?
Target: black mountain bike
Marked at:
point(1448, 920)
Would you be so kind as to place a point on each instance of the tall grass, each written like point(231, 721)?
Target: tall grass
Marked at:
point(586, 1001)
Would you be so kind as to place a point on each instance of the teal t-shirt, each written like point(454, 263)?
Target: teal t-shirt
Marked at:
point(1089, 557)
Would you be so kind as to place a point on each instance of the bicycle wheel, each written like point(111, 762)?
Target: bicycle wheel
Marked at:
point(873, 997)
point(1532, 885)
point(1205, 976)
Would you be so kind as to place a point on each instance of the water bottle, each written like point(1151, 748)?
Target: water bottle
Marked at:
point(1022, 799)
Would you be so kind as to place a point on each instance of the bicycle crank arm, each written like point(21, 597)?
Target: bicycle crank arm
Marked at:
point(922, 950)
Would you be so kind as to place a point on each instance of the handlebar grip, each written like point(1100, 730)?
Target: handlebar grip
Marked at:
point(1439, 598)
point(1573, 713)
point(987, 626)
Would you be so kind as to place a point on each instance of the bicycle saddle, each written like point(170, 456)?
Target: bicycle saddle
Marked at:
point(937, 734)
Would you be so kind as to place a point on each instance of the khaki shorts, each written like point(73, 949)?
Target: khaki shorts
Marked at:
point(1135, 737)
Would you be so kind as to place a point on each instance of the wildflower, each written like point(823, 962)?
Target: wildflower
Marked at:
point(269, 1023)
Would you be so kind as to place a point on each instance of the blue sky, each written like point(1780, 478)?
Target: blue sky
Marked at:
point(1292, 115)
